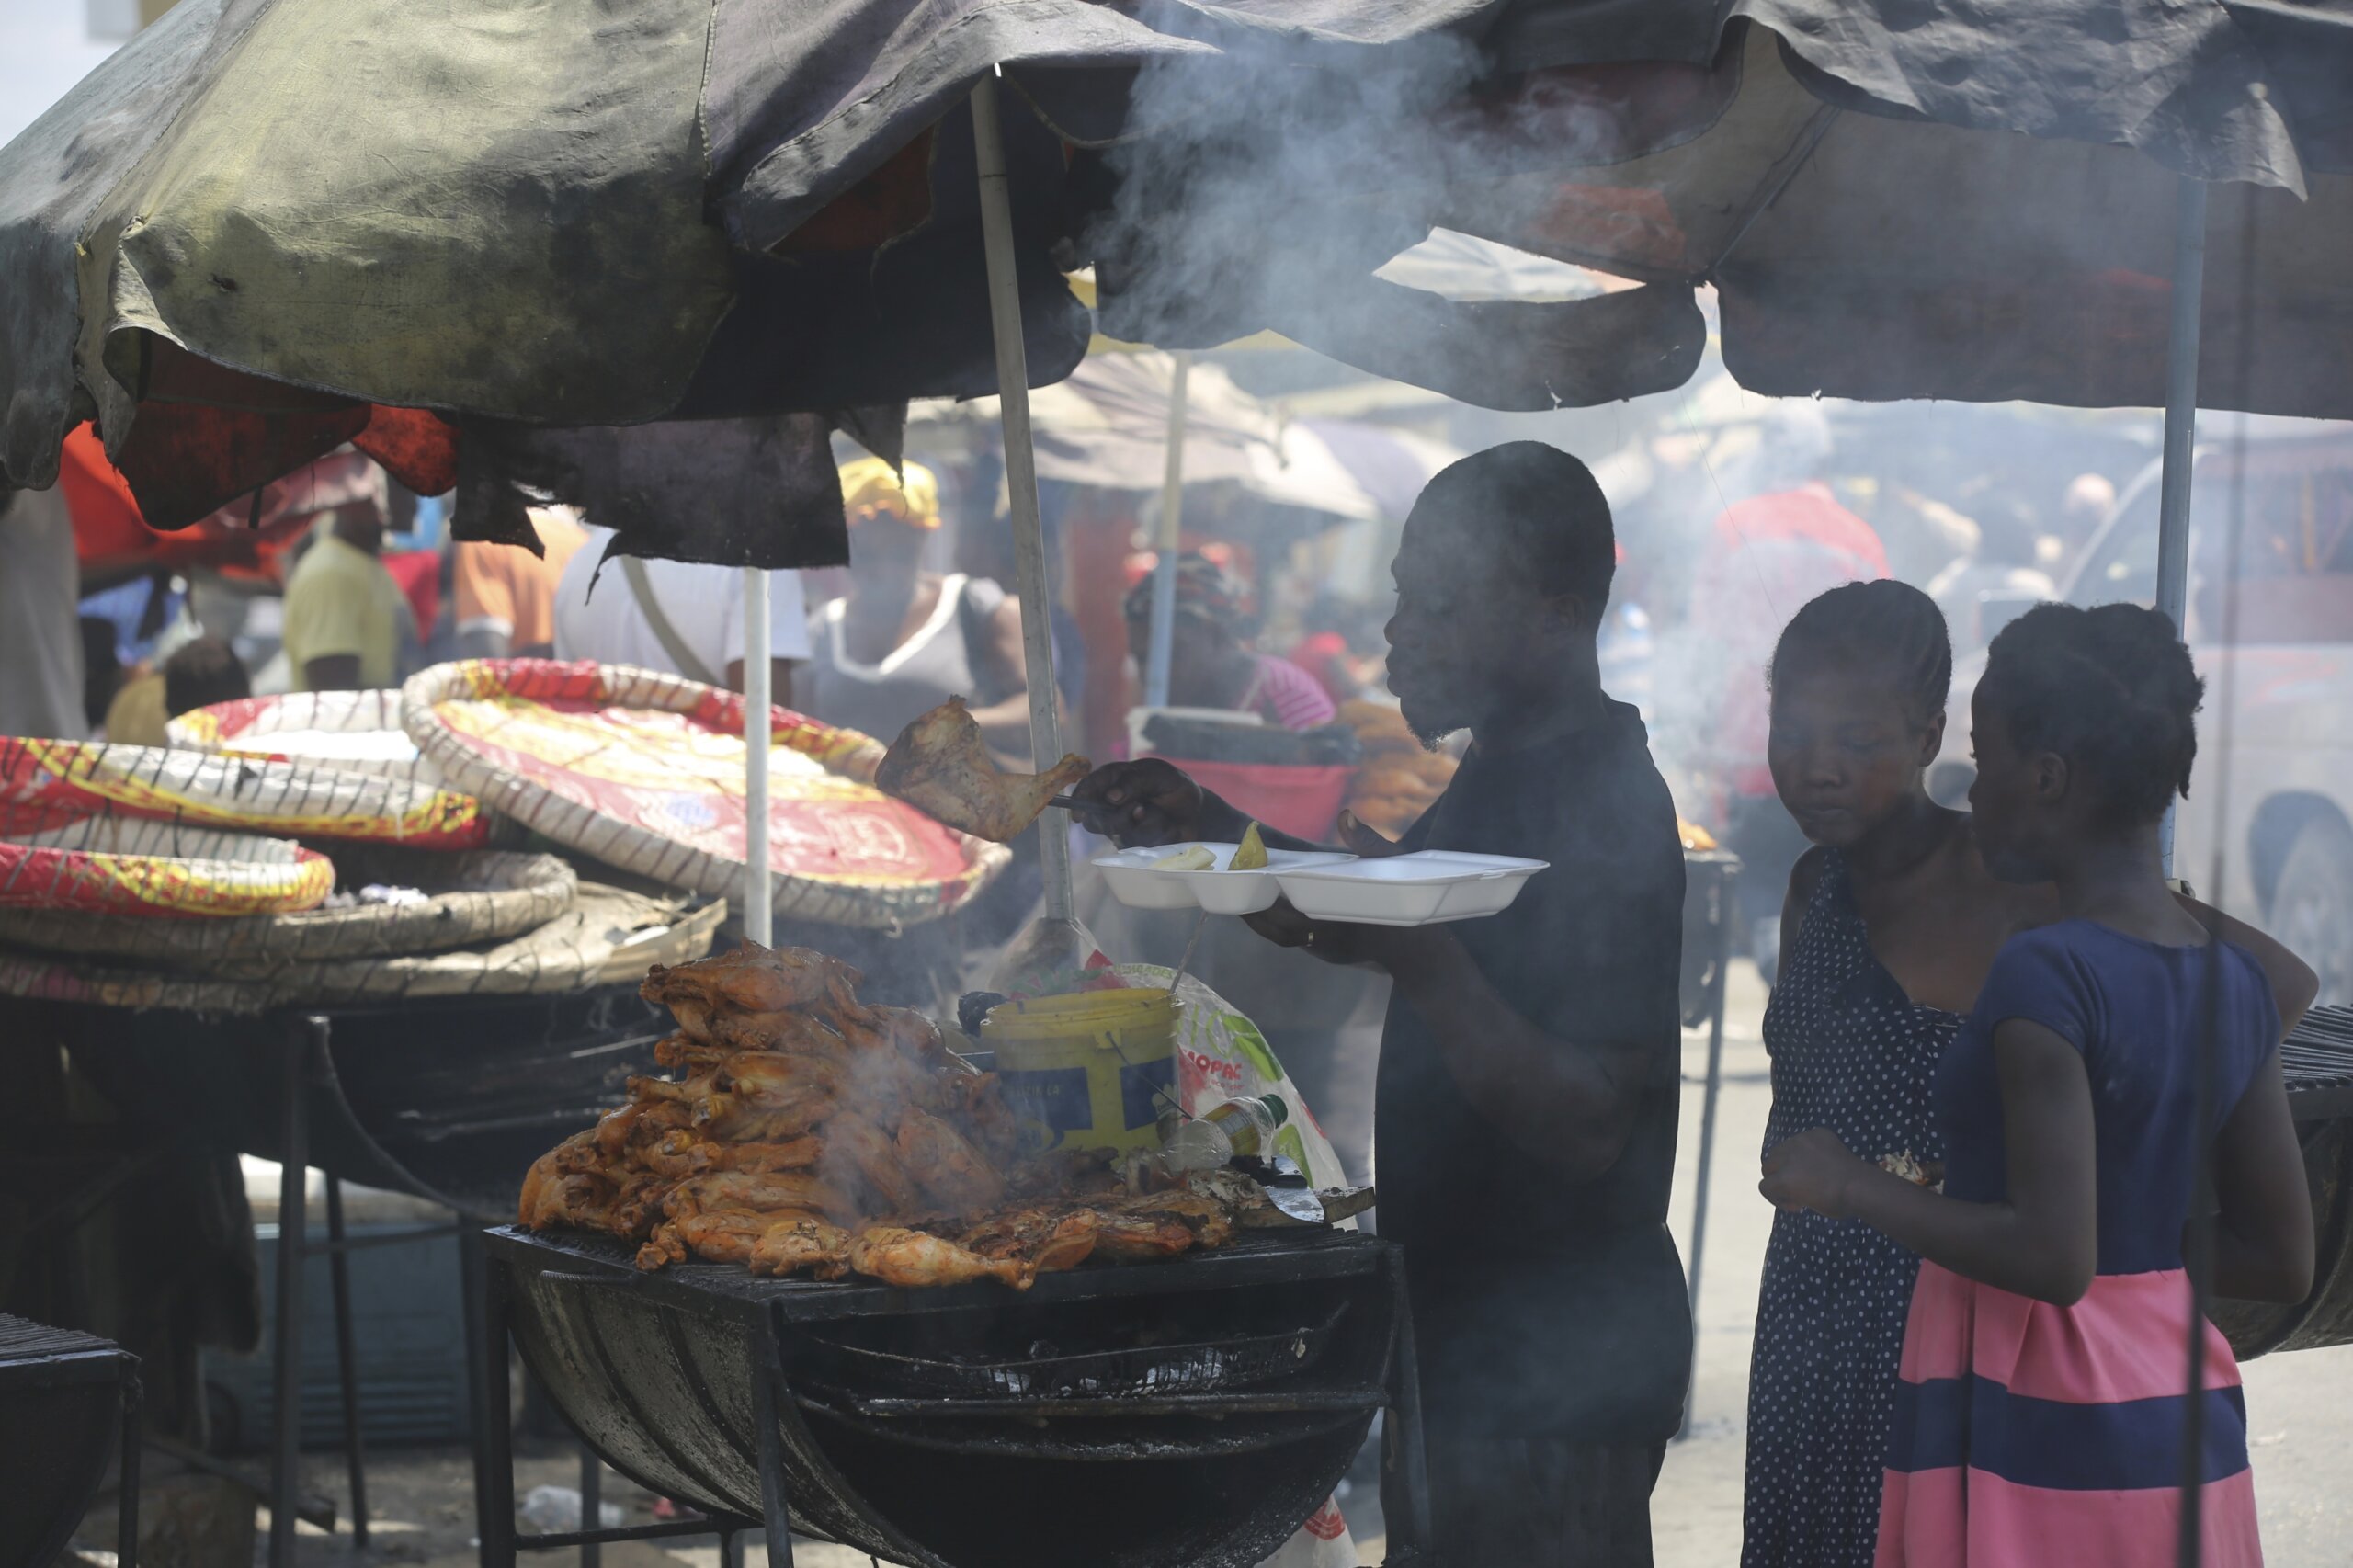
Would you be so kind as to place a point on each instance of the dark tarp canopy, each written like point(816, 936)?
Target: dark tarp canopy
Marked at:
point(265, 227)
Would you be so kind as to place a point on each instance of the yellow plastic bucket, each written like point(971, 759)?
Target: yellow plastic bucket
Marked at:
point(1090, 1070)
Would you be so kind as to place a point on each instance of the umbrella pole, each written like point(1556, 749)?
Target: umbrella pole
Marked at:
point(2181, 423)
point(759, 915)
point(1172, 515)
point(1021, 482)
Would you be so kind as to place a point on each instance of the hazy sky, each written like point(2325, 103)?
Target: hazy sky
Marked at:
point(44, 50)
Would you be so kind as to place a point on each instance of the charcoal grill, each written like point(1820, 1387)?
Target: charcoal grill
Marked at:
point(1193, 1412)
point(2317, 1062)
point(445, 1099)
point(68, 1403)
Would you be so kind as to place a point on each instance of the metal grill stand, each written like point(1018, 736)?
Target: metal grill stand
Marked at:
point(56, 1435)
point(307, 1070)
point(697, 1382)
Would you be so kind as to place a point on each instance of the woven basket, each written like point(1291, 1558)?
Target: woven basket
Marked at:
point(46, 785)
point(475, 896)
point(644, 771)
point(235, 874)
point(277, 729)
point(607, 937)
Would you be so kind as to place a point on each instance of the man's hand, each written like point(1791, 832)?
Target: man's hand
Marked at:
point(1814, 1171)
point(1151, 802)
point(1334, 942)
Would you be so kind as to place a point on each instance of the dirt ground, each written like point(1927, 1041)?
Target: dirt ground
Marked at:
point(2300, 1406)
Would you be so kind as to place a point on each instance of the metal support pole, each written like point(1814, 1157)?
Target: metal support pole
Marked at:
point(1726, 894)
point(126, 1516)
point(305, 1036)
point(2181, 424)
point(1022, 484)
point(1404, 1423)
point(472, 1290)
point(759, 915)
point(1172, 517)
point(774, 1505)
point(347, 1362)
point(494, 1439)
point(591, 1497)
point(731, 1555)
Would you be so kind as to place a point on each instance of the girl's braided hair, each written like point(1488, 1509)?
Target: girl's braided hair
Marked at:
point(1883, 625)
point(2112, 689)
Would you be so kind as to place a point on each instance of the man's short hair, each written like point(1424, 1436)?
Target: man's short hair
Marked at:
point(203, 672)
point(1539, 510)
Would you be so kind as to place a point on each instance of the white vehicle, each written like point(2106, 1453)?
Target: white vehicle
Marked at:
point(2273, 785)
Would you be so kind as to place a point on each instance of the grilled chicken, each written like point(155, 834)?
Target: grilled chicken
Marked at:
point(752, 980)
point(793, 1245)
point(939, 767)
point(1047, 1240)
point(951, 1171)
point(808, 1133)
point(868, 1151)
point(899, 1256)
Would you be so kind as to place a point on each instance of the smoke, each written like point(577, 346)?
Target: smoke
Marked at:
point(1265, 187)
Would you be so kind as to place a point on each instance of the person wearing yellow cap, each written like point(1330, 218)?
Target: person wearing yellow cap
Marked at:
point(905, 639)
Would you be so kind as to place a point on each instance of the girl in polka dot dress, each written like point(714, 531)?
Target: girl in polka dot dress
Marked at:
point(1890, 926)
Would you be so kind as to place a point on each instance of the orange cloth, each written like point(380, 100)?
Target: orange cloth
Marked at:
point(508, 589)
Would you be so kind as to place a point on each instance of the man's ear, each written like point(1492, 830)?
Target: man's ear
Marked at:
point(1569, 612)
point(2052, 777)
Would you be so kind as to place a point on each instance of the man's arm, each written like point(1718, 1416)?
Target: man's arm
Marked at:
point(1568, 1103)
point(779, 680)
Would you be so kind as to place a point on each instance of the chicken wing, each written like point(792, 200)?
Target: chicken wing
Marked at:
point(687, 1153)
point(939, 767)
point(1047, 1240)
point(752, 979)
point(950, 1171)
point(864, 1149)
point(913, 1259)
point(795, 1245)
point(760, 1191)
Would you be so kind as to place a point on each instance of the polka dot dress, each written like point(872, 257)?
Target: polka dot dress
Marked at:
point(1853, 1053)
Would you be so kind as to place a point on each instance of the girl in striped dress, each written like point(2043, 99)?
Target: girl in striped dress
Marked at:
point(2042, 1410)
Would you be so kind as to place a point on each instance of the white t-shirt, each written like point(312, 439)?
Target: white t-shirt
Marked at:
point(703, 604)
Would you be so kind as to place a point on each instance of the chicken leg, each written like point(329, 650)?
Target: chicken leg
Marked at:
point(939, 767)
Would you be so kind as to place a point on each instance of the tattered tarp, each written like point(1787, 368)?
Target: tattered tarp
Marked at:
point(272, 226)
point(1965, 200)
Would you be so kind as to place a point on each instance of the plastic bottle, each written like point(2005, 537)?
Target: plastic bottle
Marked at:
point(1243, 1127)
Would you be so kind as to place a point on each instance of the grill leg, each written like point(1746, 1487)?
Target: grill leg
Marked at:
point(1727, 891)
point(776, 1515)
point(592, 1488)
point(294, 1154)
point(729, 1556)
point(346, 1363)
point(494, 1422)
point(126, 1527)
point(1406, 1418)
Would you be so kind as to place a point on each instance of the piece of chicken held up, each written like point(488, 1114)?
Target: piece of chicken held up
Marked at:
point(939, 766)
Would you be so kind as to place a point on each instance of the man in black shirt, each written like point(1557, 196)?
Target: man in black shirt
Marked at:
point(1524, 1126)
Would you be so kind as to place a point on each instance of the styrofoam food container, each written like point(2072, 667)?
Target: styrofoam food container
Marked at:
point(1136, 883)
point(1421, 889)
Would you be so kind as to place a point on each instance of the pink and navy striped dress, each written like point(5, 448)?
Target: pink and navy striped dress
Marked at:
point(2028, 1433)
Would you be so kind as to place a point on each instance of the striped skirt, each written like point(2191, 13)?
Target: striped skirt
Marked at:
point(2026, 1433)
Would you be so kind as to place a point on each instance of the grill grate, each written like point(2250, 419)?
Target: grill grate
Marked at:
point(23, 1340)
point(1131, 1371)
point(2319, 1055)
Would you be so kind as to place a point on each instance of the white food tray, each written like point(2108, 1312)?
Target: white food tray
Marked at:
point(1421, 889)
point(1136, 883)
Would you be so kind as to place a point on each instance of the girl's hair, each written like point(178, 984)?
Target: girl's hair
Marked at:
point(2111, 689)
point(1883, 625)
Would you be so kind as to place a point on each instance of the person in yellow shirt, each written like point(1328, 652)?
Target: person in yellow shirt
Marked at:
point(345, 617)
